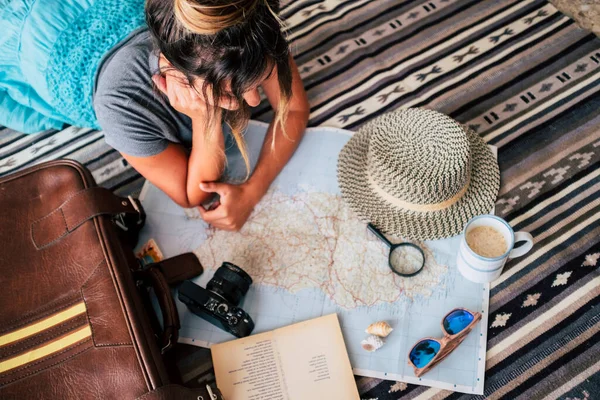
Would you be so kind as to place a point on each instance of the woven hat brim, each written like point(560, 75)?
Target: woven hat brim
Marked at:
point(356, 191)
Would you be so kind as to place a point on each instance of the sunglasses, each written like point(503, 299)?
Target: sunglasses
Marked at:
point(427, 352)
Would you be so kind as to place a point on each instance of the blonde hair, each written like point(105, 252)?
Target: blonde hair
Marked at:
point(209, 19)
point(206, 19)
point(233, 21)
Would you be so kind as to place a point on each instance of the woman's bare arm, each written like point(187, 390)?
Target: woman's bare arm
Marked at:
point(178, 174)
point(174, 171)
point(273, 159)
point(237, 201)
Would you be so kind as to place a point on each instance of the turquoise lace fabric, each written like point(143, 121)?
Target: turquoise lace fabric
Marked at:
point(78, 53)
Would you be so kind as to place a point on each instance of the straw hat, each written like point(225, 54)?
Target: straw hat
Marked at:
point(418, 174)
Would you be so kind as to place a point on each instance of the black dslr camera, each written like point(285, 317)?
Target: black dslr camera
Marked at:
point(218, 303)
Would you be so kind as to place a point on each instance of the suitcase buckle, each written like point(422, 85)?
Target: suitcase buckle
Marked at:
point(167, 346)
point(137, 205)
point(123, 220)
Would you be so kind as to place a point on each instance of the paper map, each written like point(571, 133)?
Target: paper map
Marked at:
point(310, 256)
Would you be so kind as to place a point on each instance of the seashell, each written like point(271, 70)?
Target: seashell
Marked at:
point(372, 343)
point(380, 328)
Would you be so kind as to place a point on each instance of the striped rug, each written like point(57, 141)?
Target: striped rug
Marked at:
point(527, 79)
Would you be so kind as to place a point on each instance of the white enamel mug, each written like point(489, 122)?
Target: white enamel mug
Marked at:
point(482, 269)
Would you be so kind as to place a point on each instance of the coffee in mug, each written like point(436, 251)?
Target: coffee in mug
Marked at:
point(487, 242)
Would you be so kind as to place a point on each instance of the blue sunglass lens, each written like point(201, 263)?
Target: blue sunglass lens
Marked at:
point(457, 321)
point(423, 352)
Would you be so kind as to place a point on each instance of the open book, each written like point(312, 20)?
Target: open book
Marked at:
point(307, 360)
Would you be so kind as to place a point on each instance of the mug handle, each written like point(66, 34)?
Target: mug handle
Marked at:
point(521, 251)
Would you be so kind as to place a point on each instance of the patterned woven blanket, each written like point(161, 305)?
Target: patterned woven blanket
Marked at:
point(527, 79)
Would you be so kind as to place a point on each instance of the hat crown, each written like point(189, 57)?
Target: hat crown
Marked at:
point(418, 156)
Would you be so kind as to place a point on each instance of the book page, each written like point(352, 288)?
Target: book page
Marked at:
point(249, 369)
point(314, 359)
point(307, 360)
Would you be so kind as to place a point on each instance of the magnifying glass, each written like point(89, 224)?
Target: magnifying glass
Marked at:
point(405, 259)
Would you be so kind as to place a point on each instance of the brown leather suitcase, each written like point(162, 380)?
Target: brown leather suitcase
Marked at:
point(72, 323)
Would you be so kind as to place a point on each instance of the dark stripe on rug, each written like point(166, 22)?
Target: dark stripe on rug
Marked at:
point(581, 319)
point(557, 248)
point(532, 71)
point(132, 185)
point(99, 139)
point(288, 11)
point(100, 157)
point(446, 52)
point(324, 14)
point(551, 192)
point(541, 110)
point(384, 14)
point(548, 292)
point(34, 140)
point(9, 142)
point(517, 149)
point(395, 103)
point(557, 205)
point(34, 159)
point(565, 359)
point(398, 41)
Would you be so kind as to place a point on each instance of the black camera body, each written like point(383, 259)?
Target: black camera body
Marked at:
point(218, 303)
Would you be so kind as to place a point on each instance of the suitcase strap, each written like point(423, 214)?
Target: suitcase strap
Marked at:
point(179, 268)
point(170, 316)
point(79, 208)
point(161, 276)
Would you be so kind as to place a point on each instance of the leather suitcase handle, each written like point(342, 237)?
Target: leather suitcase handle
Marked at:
point(161, 276)
point(168, 309)
point(77, 209)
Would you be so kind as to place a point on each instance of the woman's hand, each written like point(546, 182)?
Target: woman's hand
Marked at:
point(236, 204)
point(188, 99)
point(182, 97)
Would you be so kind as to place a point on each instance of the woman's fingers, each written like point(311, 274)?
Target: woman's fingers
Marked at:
point(229, 103)
point(182, 97)
point(214, 215)
point(224, 226)
point(171, 90)
point(172, 84)
point(227, 223)
point(189, 97)
point(177, 93)
point(219, 218)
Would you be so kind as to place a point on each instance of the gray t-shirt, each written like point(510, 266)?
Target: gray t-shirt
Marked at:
point(135, 119)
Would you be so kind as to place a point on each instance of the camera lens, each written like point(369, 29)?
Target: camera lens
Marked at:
point(230, 282)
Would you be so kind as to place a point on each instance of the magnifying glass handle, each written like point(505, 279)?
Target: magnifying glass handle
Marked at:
point(377, 233)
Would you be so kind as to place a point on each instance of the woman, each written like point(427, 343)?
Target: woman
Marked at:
point(162, 95)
